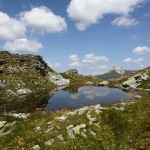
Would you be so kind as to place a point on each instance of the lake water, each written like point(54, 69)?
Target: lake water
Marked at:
point(74, 97)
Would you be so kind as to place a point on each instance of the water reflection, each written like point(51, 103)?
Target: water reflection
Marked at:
point(84, 96)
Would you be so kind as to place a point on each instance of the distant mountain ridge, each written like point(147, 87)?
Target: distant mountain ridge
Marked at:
point(115, 72)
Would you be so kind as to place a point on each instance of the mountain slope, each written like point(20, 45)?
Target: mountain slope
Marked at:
point(115, 72)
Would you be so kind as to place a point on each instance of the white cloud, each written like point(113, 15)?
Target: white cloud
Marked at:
point(75, 64)
point(141, 50)
point(124, 21)
point(11, 28)
point(23, 45)
point(127, 60)
point(53, 64)
point(74, 57)
point(88, 12)
point(138, 61)
point(92, 58)
point(43, 20)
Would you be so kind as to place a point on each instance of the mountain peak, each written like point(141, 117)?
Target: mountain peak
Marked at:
point(118, 70)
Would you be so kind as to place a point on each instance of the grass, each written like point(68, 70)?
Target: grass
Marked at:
point(119, 130)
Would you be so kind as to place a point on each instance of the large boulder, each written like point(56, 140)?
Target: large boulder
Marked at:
point(135, 81)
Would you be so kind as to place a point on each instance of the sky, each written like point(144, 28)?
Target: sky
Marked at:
point(89, 35)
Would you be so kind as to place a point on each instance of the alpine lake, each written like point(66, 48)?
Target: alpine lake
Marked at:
point(62, 98)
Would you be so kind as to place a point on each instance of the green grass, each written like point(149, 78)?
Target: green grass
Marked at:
point(119, 130)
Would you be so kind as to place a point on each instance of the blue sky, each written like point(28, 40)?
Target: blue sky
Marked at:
point(91, 36)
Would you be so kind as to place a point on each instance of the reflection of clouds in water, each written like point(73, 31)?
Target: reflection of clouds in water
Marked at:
point(74, 96)
point(91, 95)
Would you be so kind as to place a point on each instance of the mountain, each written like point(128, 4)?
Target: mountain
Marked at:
point(115, 72)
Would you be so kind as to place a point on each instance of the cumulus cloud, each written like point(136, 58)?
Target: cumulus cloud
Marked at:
point(24, 45)
point(124, 21)
point(136, 61)
point(53, 64)
point(127, 60)
point(74, 57)
point(11, 28)
point(92, 58)
point(43, 20)
point(141, 50)
point(75, 64)
point(88, 12)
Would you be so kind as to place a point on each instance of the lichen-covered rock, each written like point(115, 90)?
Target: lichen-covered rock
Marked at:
point(49, 142)
point(78, 128)
point(36, 147)
point(135, 81)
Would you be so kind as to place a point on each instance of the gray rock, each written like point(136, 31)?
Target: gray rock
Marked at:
point(60, 137)
point(104, 83)
point(58, 79)
point(36, 147)
point(23, 91)
point(49, 142)
point(78, 128)
point(62, 118)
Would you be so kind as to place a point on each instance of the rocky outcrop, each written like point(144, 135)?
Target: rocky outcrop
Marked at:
point(58, 79)
point(72, 71)
point(135, 81)
point(26, 74)
point(104, 83)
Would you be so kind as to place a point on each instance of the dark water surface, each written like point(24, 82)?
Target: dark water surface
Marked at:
point(71, 98)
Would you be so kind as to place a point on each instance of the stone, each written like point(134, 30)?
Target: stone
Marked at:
point(36, 147)
point(48, 130)
point(23, 91)
point(71, 134)
point(81, 111)
point(93, 133)
point(89, 83)
point(58, 79)
point(20, 115)
point(49, 142)
point(60, 137)
point(2, 123)
point(78, 128)
point(83, 135)
point(62, 118)
point(104, 83)
point(137, 96)
point(48, 123)
point(38, 128)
